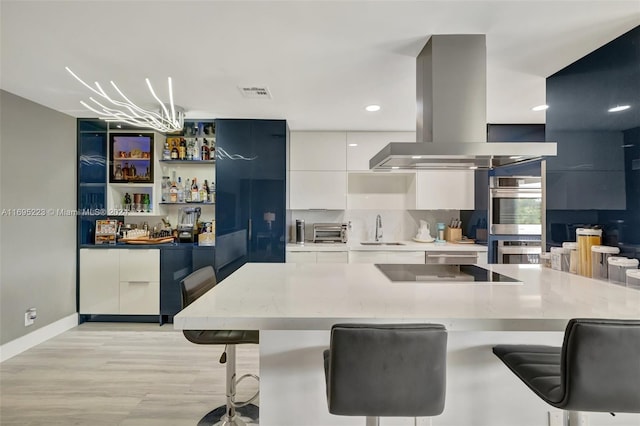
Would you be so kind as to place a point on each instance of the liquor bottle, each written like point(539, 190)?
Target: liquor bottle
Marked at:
point(180, 191)
point(204, 191)
point(182, 150)
point(125, 172)
point(212, 192)
point(173, 192)
point(166, 152)
point(187, 191)
point(174, 151)
point(196, 150)
point(204, 152)
point(190, 149)
point(195, 194)
point(132, 172)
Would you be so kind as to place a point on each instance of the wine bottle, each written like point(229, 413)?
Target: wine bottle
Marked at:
point(166, 152)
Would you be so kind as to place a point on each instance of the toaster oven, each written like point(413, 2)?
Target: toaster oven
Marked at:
point(329, 232)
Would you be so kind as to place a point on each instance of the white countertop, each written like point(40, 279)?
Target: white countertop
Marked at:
point(406, 246)
point(289, 296)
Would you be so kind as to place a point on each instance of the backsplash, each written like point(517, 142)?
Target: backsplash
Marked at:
point(397, 225)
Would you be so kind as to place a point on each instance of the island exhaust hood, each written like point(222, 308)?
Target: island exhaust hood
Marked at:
point(451, 73)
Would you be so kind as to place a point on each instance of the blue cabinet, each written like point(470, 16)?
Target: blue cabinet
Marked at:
point(251, 192)
point(92, 176)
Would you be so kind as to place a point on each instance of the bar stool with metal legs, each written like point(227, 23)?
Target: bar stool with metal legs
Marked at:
point(596, 369)
point(386, 370)
point(233, 413)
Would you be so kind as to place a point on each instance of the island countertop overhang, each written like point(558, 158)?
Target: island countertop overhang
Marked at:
point(273, 296)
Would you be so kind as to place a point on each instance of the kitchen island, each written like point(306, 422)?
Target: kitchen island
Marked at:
point(294, 306)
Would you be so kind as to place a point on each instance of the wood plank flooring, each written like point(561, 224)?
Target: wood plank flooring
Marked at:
point(118, 374)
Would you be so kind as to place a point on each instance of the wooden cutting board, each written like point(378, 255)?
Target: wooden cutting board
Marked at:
point(147, 240)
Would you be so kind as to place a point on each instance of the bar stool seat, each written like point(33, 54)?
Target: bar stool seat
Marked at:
point(388, 370)
point(233, 413)
point(596, 369)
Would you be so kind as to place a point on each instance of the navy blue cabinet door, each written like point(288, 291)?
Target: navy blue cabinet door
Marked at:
point(92, 176)
point(250, 192)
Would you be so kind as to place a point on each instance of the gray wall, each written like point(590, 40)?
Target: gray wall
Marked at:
point(37, 253)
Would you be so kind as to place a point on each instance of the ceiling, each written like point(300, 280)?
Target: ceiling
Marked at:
point(323, 61)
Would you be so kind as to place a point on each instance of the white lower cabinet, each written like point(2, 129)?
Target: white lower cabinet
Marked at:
point(317, 257)
point(120, 281)
point(380, 256)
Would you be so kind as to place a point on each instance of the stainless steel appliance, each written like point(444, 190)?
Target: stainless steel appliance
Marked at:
point(519, 252)
point(451, 125)
point(516, 205)
point(187, 220)
point(299, 231)
point(330, 232)
point(442, 273)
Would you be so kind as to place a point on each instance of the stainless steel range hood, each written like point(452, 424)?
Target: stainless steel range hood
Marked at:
point(451, 73)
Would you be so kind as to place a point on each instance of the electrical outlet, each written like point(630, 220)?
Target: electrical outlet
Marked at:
point(555, 418)
point(30, 316)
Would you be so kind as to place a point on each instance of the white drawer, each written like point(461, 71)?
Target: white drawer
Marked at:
point(140, 265)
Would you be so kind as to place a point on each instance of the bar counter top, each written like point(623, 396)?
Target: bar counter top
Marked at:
point(270, 296)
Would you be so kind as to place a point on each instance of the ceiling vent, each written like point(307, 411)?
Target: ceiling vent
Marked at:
point(255, 92)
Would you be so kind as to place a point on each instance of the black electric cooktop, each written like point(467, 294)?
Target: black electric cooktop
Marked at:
point(442, 273)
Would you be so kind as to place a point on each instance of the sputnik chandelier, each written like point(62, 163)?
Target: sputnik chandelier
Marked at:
point(166, 120)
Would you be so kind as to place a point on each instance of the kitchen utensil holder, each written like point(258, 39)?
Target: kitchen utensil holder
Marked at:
point(452, 234)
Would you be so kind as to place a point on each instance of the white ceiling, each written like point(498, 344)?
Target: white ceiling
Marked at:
point(323, 61)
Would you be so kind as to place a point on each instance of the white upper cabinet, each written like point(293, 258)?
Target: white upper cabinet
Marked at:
point(361, 146)
point(311, 190)
point(318, 151)
point(445, 190)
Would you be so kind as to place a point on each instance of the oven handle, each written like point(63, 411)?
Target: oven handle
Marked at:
point(516, 193)
point(519, 250)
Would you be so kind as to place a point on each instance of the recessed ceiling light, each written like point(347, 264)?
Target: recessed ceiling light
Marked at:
point(515, 157)
point(353, 144)
point(473, 167)
point(619, 108)
point(395, 167)
point(416, 156)
point(373, 108)
point(540, 107)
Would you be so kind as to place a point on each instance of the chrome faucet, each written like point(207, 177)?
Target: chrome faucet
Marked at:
point(378, 228)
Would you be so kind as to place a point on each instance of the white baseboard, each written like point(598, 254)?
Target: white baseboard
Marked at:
point(21, 344)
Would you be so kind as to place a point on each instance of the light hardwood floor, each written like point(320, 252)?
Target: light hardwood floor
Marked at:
point(118, 374)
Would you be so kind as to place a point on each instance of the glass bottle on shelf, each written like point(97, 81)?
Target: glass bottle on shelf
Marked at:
point(174, 152)
point(146, 203)
point(204, 190)
point(166, 186)
point(118, 174)
point(127, 202)
point(190, 149)
point(173, 192)
point(187, 191)
point(212, 192)
point(196, 150)
point(180, 191)
point(195, 193)
point(204, 151)
point(182, 150)
point(166, 152)
point(132, 172)
point(125, 171)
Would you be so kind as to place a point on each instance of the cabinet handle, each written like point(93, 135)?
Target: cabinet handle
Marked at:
point(250, 226)
point(452, 255)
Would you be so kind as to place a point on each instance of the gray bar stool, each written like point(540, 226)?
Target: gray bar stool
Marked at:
point(234, 413)
point(596, 369)
point(386, 370)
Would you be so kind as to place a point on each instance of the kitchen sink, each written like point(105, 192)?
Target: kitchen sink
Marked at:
point(381, 243)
